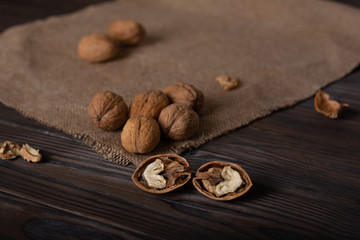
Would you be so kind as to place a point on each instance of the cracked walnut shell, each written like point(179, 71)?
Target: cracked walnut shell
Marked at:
point(107, 110)
point(97, 47)
point(140, 134)
point(162, 173)
point(186, 94)
point(178, 121)
point(149, 103)
point(222, 181)
point(127, 32)
point(327, 107)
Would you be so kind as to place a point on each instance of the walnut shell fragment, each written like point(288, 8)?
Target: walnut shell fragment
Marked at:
point(179, 121)
point(140, 134)
point(107, 110)
point(228, 83)
point(149, 103)
point(327, 107)
point(170, 170)
point(222, 181)
point(30, 154)
point(185, 94)
point(9, 150)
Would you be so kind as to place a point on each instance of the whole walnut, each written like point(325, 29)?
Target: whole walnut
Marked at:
point(186, 94)
point(179, 121)
point(140, 134)
point(126, 32)
point(149, 103)
point(108, 110)
point(97, 47)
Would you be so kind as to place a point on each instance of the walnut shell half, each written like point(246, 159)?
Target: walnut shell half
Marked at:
point(211, 175)
point(186, 94)
point(327, 107)
point(108, 110)
point(149, 103)
point(175, 170)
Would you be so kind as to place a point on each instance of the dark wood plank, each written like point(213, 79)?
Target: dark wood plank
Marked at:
point(305, 170)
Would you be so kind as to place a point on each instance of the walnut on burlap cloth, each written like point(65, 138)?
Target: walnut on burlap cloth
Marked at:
point(283, 51)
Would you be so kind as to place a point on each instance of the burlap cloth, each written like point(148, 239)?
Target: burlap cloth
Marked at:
point(282, 50)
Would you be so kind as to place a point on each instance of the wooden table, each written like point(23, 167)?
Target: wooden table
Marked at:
point(305, 170)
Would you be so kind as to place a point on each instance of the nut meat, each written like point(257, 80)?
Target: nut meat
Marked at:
point(30, 154)
point(97, 47)
point(127, 32)
point(140, 134)
point(228, 83)
point(162, 173)
point(179, 121)
point(222, 180)
point(185, 94)
point(9, 150)
point(149, 103)
point(327, 107)
point(108, 110)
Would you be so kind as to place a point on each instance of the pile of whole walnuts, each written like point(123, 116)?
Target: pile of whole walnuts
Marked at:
point(172, 112)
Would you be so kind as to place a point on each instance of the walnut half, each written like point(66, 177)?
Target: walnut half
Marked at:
point(162, 173)
point(30, 154)
point(222, 180)
point(9, 150)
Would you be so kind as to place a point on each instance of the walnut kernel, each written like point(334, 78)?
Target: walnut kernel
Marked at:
point(327, 107)
point(227, 82)
point(9, 150)
point(30, 154)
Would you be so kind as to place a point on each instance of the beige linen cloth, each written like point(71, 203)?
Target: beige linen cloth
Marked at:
point(281, 50)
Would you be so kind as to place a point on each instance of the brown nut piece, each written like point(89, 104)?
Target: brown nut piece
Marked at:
point(30, 154)
point(327, 107)
point(228, 83)
point(9, 150)
point(149, 103)
point(222, 181)
point(107, 110)
point(162, 173)
point(179, 121)
point(97, 47)
point(127, 32)
point(140, 134)
point(186, 94)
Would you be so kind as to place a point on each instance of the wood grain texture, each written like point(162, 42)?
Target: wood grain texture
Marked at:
point(304, 167)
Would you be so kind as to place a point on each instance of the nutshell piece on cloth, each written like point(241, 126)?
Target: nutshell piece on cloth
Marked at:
point(283, 52)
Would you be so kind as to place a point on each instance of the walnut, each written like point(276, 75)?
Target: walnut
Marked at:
point(222, 180)
point(227, 82)
point(30, 154)
point(97, 47)
point(140, 134)
point(149, 103)
point(327, 107)
point(179, 121)
point(185, 94)
point(162, 173)
point(108, 110)
point(9, 150)
point(127, 32)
